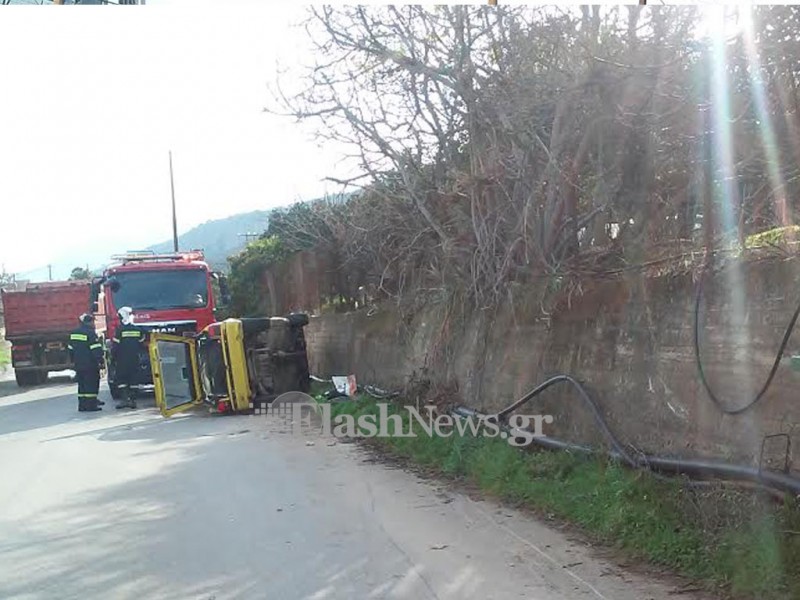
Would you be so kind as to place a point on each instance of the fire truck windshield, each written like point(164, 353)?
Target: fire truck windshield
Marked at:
point(160, 290)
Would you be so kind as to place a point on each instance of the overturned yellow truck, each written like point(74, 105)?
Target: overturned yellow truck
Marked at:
point(231, 366)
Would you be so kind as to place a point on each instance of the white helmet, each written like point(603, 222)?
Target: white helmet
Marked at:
point(126, 315)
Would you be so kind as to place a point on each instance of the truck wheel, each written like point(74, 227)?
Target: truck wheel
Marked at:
point(41, 377)
point(24, 378)
point(116, 393)
point(298, 319)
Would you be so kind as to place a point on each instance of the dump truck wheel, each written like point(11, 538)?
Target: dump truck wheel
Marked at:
point(24, 378)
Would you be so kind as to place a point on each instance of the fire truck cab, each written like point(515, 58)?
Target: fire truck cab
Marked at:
point(169, 293)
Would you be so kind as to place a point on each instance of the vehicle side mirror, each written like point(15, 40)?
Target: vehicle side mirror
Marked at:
point(114, 284)
point(224, 291)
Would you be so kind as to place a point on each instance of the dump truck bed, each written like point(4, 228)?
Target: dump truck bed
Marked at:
point(44, 308)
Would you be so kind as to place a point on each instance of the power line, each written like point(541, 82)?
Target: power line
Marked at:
point(249, 235)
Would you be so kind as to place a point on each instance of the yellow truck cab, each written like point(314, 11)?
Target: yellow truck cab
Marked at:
point(230, 365)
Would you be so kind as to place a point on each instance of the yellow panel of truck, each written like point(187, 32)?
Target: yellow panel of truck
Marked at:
point(240, 393)
point(188, 380)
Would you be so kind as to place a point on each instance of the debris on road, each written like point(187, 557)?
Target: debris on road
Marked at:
point(345, 384)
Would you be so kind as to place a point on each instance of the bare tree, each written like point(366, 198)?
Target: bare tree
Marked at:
point(501, 144)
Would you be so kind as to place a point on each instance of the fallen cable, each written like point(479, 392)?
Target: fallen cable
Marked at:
point(595, 410)
point(714, 398)
point(379, 393)
point(700, 468)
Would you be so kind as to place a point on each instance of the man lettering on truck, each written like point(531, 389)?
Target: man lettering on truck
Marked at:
point(128, 341)
point(86, 353)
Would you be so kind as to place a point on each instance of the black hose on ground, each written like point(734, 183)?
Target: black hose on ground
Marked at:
point(590, 403)
point(379, 393)
point(702, 468)
point(698, 468)
point(714, 398)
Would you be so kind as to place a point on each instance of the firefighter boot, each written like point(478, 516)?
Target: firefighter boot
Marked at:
point(127, 398)
point(88, 405)
point(123, 402)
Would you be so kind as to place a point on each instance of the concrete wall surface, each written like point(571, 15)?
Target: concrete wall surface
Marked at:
point(630, 339)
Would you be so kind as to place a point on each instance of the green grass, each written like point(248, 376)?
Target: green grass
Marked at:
point(730, 540)
point(5, 354)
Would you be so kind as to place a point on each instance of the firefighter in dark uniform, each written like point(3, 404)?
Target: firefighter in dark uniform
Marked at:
point(127, 345)
point(86, 353)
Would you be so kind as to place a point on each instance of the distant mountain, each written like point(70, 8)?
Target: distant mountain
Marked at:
point(219, 238)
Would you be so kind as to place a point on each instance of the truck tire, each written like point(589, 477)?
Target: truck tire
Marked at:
point(111, 378)
point(24, 378)
point(116, 394)
point(41, 377)
point(298, 319)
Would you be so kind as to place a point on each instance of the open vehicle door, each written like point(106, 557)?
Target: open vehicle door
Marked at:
point(176, 378)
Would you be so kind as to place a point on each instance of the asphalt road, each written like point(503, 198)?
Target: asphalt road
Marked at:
point(126, 504)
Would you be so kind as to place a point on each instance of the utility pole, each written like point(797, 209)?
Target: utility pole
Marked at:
point(247, 236)
point(50, 272)
point(174, 215)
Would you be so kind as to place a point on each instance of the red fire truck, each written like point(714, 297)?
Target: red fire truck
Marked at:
point(169, 293)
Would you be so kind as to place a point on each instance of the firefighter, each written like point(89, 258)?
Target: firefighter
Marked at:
point(127, 345)
point(86, 353)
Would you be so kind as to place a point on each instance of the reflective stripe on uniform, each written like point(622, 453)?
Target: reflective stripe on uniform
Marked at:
point(87, 395)
point(131, 334)
point(81, 337)
point(97, 345)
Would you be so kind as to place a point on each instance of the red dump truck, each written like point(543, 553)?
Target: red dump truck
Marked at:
point(38, 320)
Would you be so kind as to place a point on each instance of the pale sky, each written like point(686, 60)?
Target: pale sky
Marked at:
point(92, 99)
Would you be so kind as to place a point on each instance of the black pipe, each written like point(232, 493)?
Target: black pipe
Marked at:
point(672, 465)
point(595, 410)
point(714, 398)
point(701, 468)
